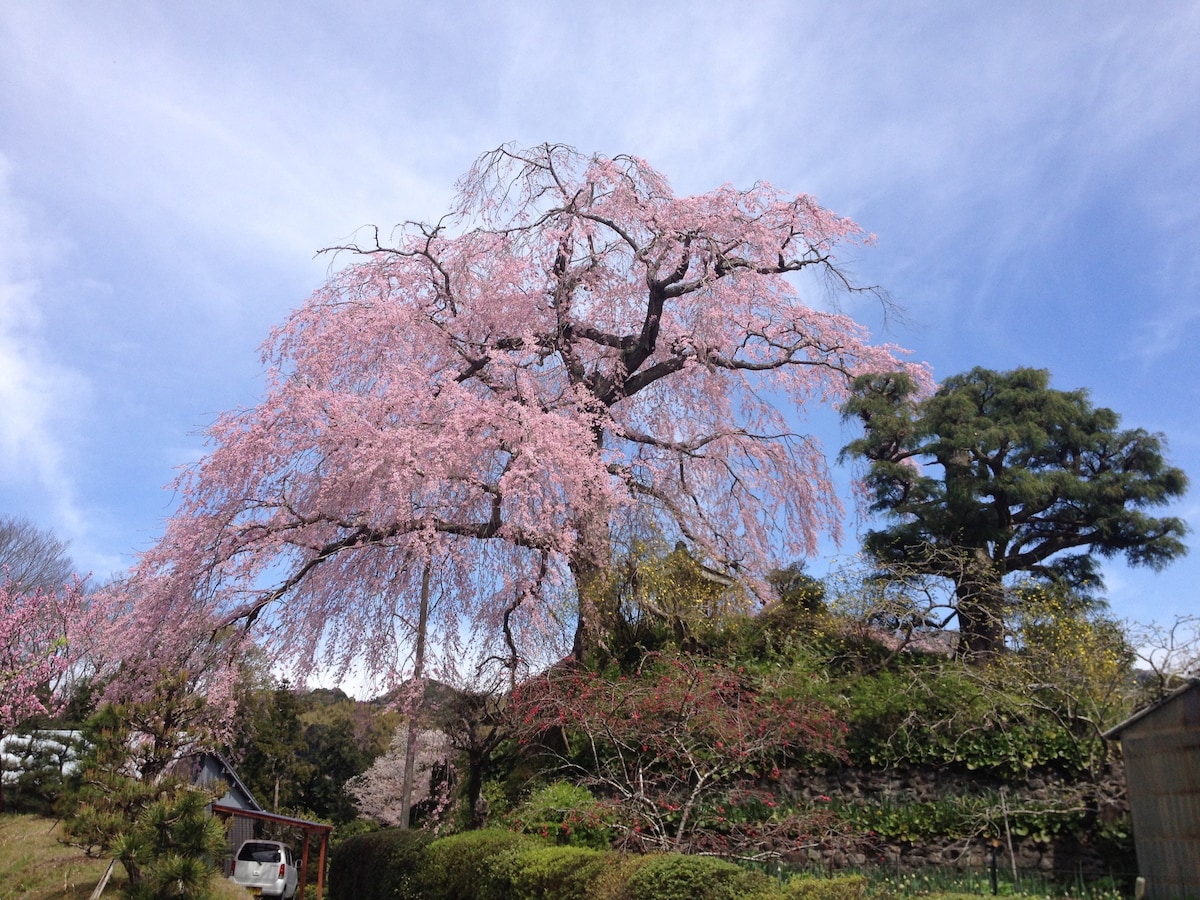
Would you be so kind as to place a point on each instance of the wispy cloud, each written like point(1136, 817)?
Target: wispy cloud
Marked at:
point(194, 141)
point(39, 396)
point(1030, 169)
point(1169, 329)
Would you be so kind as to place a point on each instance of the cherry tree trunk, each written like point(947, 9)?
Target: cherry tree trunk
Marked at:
point(589, 586)
point(414, 704)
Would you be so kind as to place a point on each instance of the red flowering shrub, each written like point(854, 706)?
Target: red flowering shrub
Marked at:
point(683, 751)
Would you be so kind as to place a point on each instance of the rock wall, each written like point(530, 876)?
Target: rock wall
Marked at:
point(1063, 856)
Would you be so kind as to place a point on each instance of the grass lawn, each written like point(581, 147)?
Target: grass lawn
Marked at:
point(36, 865)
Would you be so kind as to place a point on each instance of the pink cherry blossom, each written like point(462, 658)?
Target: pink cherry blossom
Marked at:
point(572, 353)
point(36, 652)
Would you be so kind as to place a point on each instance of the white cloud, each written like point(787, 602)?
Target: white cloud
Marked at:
point(214, 140)
point(39, 397)
point(1165, 333)
point(197, 155)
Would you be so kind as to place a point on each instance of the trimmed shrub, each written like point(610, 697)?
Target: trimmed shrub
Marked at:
point(676, 877)
point(474, 865)
point(378, 865)
point(840, 887)
point(613, 882)
point(559, 873)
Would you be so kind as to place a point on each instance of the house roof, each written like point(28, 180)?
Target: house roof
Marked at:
point(304, 824)
point(1114, 733)
point(207, 761)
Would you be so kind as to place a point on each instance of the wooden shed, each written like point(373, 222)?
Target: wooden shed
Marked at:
point(1161, 748)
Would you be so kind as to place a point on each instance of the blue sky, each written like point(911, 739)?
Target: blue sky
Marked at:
point(168, 170)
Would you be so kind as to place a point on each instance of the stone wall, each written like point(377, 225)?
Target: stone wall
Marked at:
point(1062, 857)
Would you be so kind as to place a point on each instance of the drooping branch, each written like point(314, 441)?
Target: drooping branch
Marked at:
point(573, 345)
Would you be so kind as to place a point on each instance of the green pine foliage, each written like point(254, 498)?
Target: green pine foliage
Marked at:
point(172, 846)
point(103, 799)
point(162, 834)
point(160, 830)
point(45, 759)
point(997, 474)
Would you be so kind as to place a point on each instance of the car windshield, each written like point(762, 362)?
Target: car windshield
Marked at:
point(263, 853)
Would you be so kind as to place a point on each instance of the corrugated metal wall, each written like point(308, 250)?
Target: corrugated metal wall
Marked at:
point(1162, 768)
point(237, 831)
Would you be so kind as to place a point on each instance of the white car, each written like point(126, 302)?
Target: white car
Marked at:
point(265, 869)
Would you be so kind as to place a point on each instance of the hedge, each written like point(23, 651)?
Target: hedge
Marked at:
point(496, 864)
point(379, 865)
point(674, 876)
point(474, 865)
